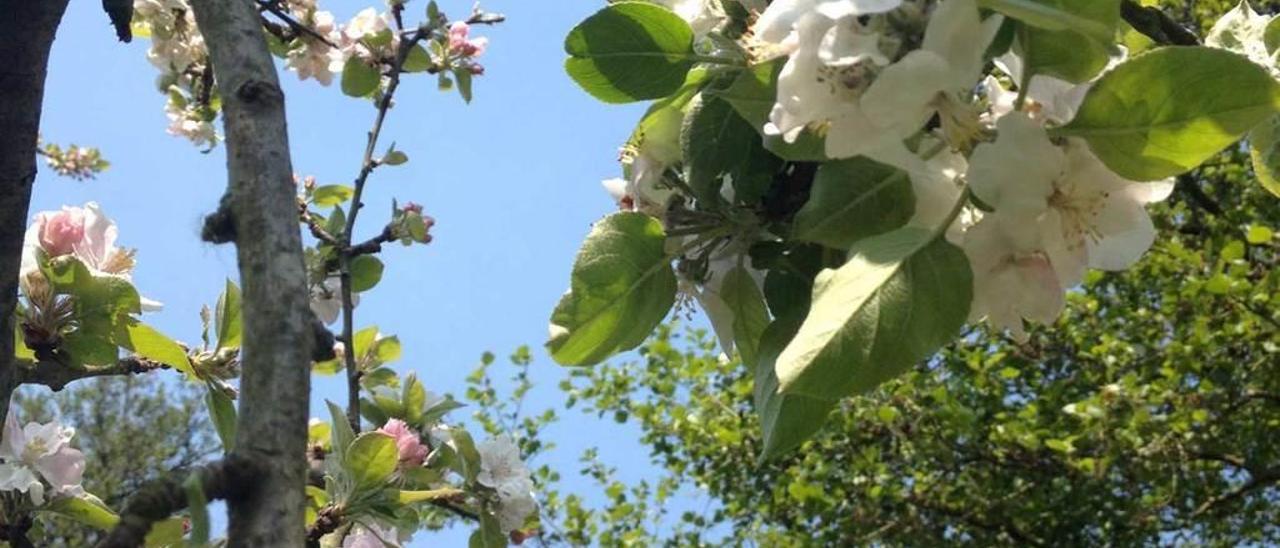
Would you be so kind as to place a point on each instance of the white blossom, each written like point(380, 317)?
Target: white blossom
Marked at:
point(1058, 211)
point(326, 299)
point(39, 451)
point(502, 470)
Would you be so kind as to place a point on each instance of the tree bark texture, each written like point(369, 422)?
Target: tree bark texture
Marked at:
point(28, 29)
point(261, 203)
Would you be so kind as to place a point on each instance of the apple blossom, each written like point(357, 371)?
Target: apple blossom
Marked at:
point(316, 59)
point(39, 451)
point(1091, 216)
point(502, 470)
point(412, 451)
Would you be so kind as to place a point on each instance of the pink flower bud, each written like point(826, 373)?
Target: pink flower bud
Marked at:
point(60, 231)
point(460, 44)
point(411, 207)
point(412, 452)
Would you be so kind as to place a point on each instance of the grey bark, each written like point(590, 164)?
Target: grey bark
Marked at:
point(276, 357)
point(25, 39)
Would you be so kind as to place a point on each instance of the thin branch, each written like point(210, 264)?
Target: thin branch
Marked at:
point(274, 8)
point(368, 164)
point(1264, 479)
point(156, 501)
point(1157, 25)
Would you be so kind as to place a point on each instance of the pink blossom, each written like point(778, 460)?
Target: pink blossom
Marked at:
point(460, 43)
point(412, 452)
point(411, 207)
point(60, 231)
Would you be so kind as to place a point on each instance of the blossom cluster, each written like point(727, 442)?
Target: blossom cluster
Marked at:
point(313, 44)
point(905, 83)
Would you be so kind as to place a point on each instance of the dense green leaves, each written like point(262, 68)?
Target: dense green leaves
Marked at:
point(622, 286)
point(854, 199)
point(1167, 111)
point(899, 299)
point(630, 51)
point(718, 145)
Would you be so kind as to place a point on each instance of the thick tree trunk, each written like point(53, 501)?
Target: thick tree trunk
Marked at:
point(275, 386)
point(25, 40)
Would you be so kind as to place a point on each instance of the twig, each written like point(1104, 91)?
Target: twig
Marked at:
point(368, 164)
point(1156, 25)
point(1263, 479)
point(274, 9)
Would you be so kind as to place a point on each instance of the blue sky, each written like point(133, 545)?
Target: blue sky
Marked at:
point(513, 181)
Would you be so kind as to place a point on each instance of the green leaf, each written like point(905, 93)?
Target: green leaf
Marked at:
point(787, 420)
point(468, 456)
point(167, 533)
point(1264, 152)
point(341, 432)
point(1069, 54)
point(1167, 111)
point(900, 297)
point(387, 349)
point(332, 195)
point(418, 60)
point(854, 199)
point(630, 51)
point(371, 459)
point(222, 412)
point(414, 398)
point(358, 78)
point(489, 535)
point(750, 315)
point(364, 340)
point(463, 76)
point(228, 319)
point(102, 305)
point(444, 493)
point(198, 509)
point(366, 272)
point(1056, 15)
point(85, 508)
point(622, 286)
point(145, 341)
point(718, 142)
point(753, 95)
point(395, 158)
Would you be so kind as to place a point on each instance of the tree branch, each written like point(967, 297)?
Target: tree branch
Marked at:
point(225, 479)
point(345, 250)
point(1261, 480)
point(276, 356)
point(57, 375)
point(1157, 25)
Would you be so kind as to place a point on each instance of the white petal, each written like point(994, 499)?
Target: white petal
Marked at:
point(957, 33)
point(1127, 233)
point(1021, 166)
point(900, 98)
